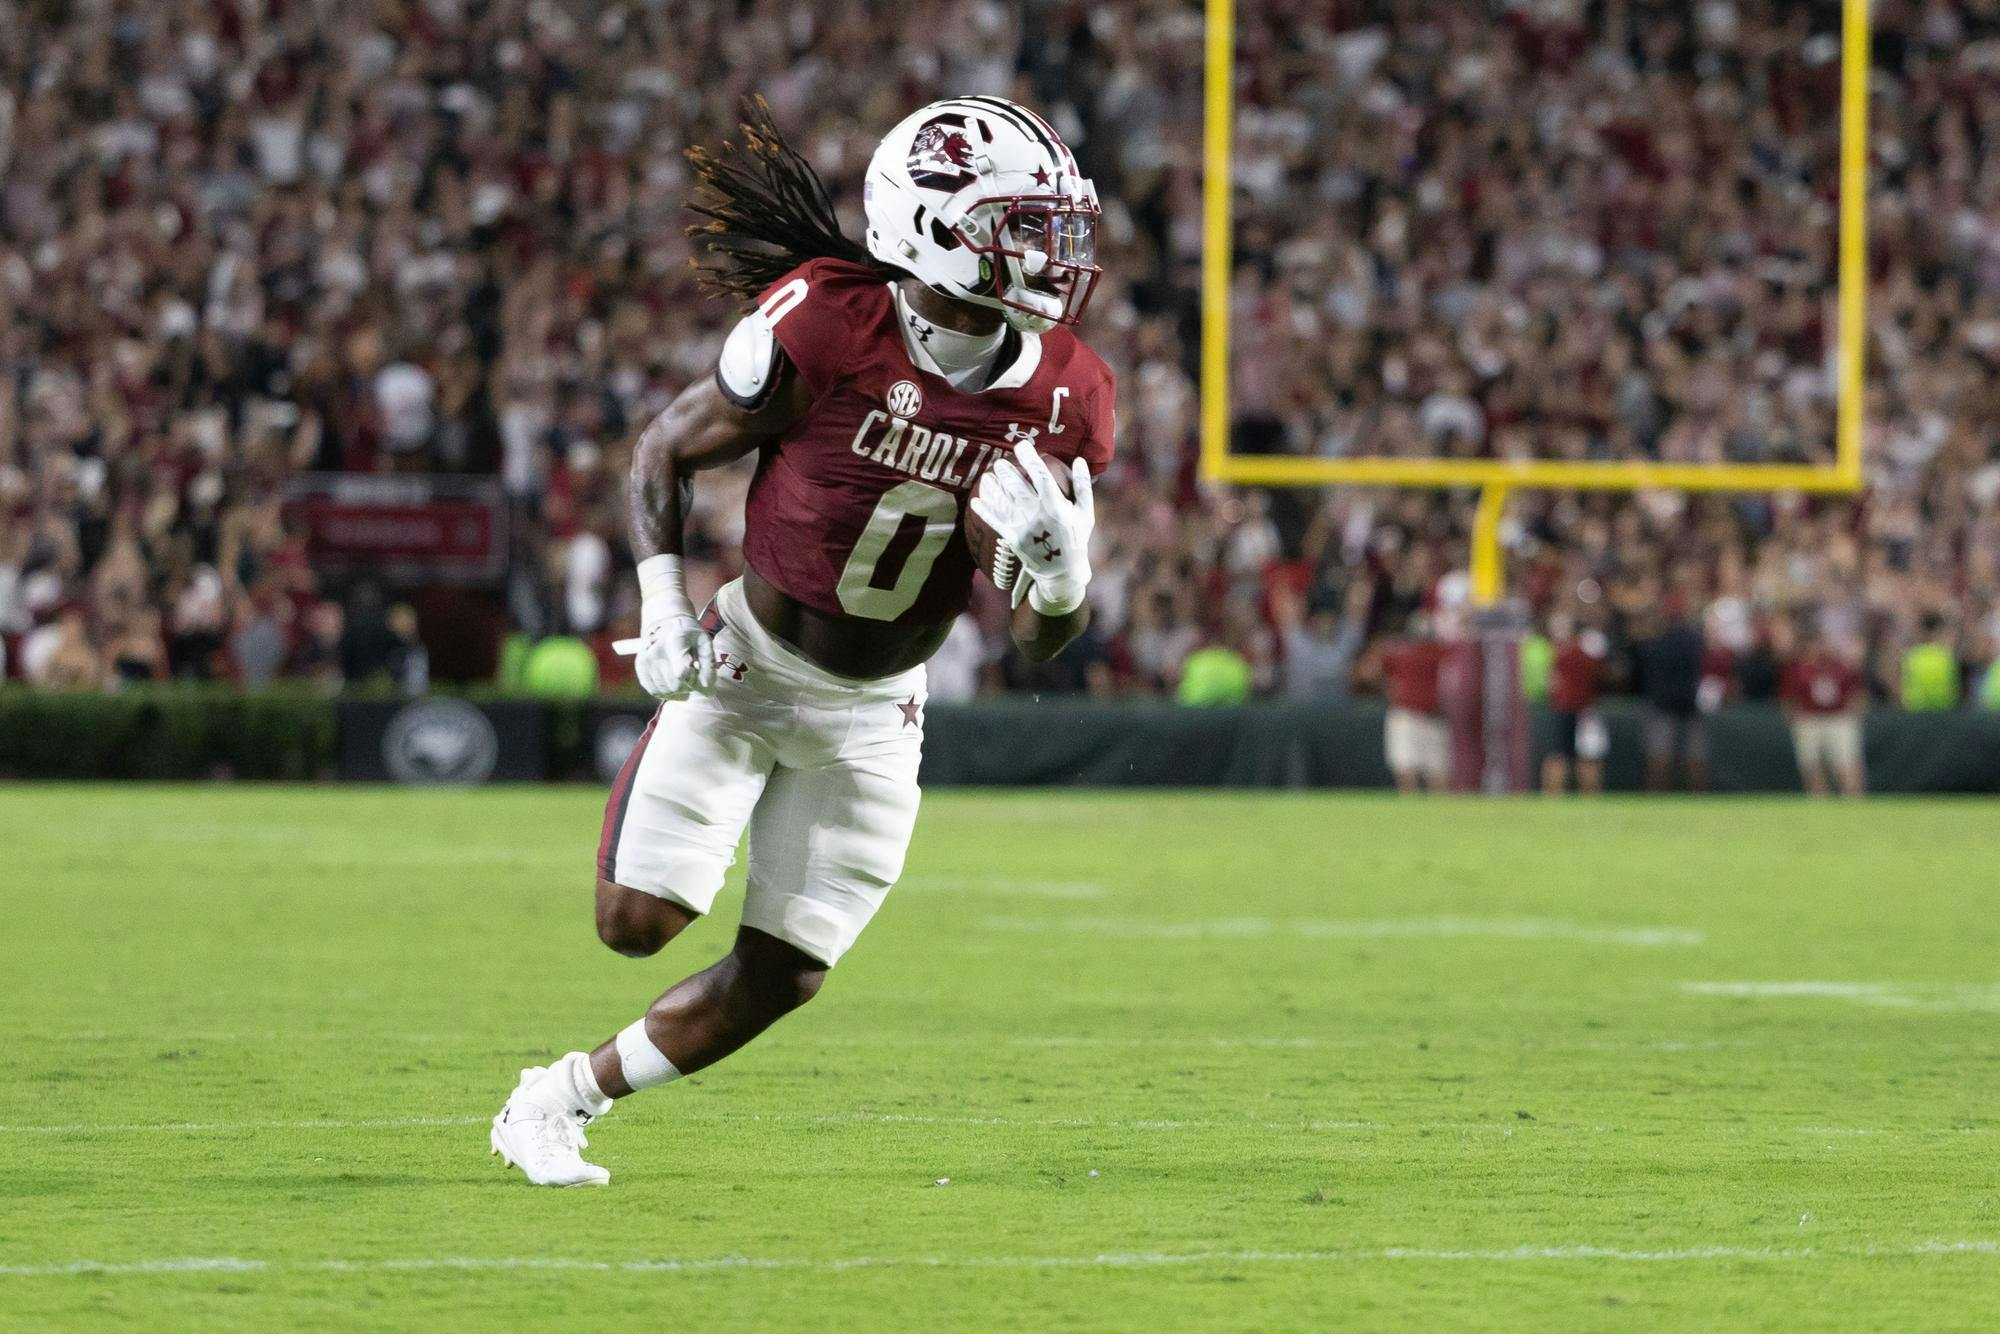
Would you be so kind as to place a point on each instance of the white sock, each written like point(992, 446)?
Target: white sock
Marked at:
point(574, 1084)
point(643, 1064)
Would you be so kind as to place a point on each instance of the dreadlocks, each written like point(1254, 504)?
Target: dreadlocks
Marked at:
point(768, 212)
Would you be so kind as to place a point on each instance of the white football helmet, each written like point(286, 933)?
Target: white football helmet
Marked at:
point(981, 201)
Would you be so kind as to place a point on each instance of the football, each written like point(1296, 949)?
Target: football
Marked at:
point(994, 557)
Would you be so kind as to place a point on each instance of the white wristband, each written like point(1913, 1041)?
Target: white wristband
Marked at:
point(1065, 597)
point(662, 591)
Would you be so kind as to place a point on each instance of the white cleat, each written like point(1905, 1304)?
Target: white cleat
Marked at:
point(542, 1136)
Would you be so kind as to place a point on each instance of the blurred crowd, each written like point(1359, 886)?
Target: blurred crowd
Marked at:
point(242, 240)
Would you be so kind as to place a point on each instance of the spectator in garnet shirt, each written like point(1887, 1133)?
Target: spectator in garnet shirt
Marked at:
point(1581, 739)
point(1415, 736)
point(1824, 699)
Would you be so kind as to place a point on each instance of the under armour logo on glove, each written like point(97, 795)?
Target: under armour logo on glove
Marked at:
point(1050, 532)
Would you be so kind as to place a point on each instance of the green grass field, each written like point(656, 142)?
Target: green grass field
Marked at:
point(1236, 1061)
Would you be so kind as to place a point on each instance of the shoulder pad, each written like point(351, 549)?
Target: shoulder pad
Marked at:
point(751, 364)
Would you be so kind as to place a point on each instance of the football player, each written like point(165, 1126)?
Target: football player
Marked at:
point(883, 388)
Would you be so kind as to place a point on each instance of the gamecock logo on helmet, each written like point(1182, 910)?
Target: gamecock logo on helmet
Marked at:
point(941, 155)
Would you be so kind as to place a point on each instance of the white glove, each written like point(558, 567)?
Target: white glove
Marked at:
point(676, 656)
point(1049, 531)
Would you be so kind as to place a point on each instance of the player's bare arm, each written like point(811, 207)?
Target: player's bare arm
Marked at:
point(699, 430)
point(1040, 635)
point(750, 400)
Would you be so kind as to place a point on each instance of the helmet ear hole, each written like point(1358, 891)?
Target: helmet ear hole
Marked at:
point(945, 237)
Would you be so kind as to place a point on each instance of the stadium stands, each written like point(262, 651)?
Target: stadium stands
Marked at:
point(243, 242)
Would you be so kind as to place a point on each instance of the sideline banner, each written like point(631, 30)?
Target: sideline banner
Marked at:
point(437, 740)
point(179, 734)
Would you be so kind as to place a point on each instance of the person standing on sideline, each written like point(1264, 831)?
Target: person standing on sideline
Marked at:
point(1581, 739)
point(1824, 699)
point(1415, 736)
point(1670, 668)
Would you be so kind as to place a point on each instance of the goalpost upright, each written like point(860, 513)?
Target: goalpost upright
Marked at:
point(1496, 478)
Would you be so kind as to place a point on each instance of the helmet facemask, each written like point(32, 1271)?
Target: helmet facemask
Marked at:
point(1044, 252)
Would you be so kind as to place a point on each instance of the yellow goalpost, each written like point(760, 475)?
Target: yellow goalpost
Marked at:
point(1496, 478)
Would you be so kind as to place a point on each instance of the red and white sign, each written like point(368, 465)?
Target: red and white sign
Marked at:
point(451, 528)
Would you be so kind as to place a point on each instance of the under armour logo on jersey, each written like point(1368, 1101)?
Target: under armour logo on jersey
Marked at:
point(920, 329)
point(1017, 433)
point(733, 668)
point(905, 399)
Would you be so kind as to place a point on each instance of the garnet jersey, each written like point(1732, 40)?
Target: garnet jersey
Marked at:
point(1574, 676)
point(857, 509)
point(1412, 668)
point(1820, 684)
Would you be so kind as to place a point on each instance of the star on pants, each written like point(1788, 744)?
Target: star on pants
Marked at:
point(912, 712)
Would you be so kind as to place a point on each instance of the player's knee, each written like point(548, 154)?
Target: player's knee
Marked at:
point(634, 924)
point(771, 991)
point(775, 993)
point(632, 936)
point(797, 987)
point(775, 978)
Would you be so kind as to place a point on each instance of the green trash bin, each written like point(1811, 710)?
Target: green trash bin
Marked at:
point(1214, 675)
point(560, 667)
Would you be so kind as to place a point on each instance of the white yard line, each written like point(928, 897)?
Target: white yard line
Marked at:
point(194, 1264)
point(1974, 996)
point(1081, 1040)
point(155, 1040)
point(1526, 928)
point(1056, 1122)
point(1908, 1130)
point(1949, 1248)
point(1514, 1042)
point(1510, 1042)
point(1319, 928)
point(1111, 1260)
point(1073, 890)
point(201, 1127)
point(1508, 1127)
point(824, 1118)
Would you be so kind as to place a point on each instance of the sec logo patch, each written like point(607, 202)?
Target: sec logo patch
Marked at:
point(905, 399)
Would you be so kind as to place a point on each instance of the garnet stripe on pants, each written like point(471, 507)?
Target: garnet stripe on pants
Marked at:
point(615, 804)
